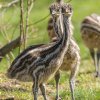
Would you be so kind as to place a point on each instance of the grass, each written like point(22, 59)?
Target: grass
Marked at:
point(87, 86)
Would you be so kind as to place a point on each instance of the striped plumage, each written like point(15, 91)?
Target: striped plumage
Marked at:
point(39, 63)
point(71, 60)
point(90, 30)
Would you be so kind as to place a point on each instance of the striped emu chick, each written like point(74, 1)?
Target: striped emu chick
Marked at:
point(90, 30)
point(40, 62)
point(71, 60)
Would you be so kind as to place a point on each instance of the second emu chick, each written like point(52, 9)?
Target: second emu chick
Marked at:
point(71, 60)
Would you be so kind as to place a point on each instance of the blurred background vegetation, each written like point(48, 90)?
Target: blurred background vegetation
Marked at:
point(87, 87)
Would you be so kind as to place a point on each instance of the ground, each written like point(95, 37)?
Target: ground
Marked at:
point(87, 86)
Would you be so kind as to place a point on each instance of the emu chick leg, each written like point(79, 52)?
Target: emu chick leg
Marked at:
point(57, 78)
point(42, 88)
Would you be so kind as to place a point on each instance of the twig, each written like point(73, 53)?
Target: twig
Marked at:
point(8, 59)
point(31, 5)
point(17, 25)
point(9, 4)
point(21, 22)
point(3, 35)
point(39, 20)
point(6, 35)
point(29, 8)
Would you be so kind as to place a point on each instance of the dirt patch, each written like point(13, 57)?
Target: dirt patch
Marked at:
point(12, 85)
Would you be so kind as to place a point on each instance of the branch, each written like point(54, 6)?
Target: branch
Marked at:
point(21, 22)
point(39, 20)
point(9, 47)
point(6, 49)
point(29, 8)
point(9, 4)
point(5, 35)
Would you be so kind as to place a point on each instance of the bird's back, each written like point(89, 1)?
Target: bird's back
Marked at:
point(22, 61)
point(90, 30)
point(33, 59)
